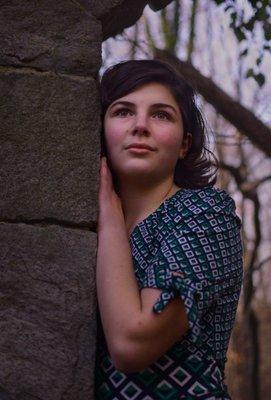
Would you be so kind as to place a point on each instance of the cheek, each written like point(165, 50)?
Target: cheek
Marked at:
point(113, 135)
point(171, 138)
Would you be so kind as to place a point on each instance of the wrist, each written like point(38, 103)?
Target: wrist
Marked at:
point(111, 225)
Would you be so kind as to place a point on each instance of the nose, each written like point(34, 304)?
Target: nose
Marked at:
point(140, 124)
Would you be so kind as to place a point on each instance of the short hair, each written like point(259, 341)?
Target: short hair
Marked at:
point(199, 166)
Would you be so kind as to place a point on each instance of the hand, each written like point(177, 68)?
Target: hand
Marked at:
point(110, 207)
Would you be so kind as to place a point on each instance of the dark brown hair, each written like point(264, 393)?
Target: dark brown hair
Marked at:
point(198, 168)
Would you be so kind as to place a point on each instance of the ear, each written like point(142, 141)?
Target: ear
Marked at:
point(186, 144)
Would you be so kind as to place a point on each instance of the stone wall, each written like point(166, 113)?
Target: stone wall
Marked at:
point(50, 55)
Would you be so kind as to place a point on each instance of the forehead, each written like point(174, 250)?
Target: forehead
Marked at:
point(149, 92)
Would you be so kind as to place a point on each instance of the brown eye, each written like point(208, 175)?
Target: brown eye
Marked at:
point(162, 115)
point(122, 112)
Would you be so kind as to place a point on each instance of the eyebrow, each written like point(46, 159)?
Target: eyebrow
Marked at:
point(156, 105)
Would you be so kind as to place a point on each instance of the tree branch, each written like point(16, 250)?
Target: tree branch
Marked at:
point(238, 115)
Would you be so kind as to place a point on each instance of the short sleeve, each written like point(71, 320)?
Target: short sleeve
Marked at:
point(199, 260)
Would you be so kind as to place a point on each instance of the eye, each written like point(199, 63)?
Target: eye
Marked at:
point(162, 115)
point(122, 112)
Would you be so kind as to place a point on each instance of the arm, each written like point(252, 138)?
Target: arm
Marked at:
point(135, 336)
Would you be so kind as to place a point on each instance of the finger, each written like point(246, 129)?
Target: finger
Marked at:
point(102, 165)
point(105, 162)
point(108, 173)
point(103, 176)
point(106, 176)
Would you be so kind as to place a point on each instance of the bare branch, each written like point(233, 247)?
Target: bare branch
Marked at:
point(135, 40)
point(176, 21)
point(150, 38)
point(190, 46)
point(242, 118)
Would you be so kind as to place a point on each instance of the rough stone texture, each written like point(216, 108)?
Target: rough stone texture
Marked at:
point(117, 15)
point(102, 7)
point(47, 312)
point(126, 14)
point(49, 147)
point(156, 5)
point(50, 55)
point(121, 17)
point(50, 35)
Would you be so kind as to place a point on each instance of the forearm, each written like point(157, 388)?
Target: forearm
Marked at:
point(117, 289)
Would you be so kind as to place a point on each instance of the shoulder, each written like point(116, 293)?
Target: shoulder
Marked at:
point(194, 206)
point(206, 199)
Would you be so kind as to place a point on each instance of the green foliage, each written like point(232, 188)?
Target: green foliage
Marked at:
point(261, 12)
point(259, 77)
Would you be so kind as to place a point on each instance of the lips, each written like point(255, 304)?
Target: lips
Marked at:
point(140, 146)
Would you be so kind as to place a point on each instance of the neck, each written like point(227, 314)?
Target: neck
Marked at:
point(140, 201)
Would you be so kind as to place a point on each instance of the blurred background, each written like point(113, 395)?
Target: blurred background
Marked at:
point(223, 49)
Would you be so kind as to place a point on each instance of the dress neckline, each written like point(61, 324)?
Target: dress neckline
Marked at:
point(162, 205)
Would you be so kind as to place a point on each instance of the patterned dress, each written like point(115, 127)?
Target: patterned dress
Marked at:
point(195, 233)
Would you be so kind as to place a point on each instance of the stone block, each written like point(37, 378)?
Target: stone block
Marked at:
point(49, 35)
point(116, 15)
point(49, 147)
point(47, 312)
point(157, 5)
point(103, 7)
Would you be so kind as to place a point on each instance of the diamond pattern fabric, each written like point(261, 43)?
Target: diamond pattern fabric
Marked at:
point(190, 247)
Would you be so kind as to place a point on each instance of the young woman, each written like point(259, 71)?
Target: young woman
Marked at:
point(169, 259)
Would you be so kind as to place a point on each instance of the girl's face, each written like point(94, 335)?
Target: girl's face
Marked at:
point(149, 115)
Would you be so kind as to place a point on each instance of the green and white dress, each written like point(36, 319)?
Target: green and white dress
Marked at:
point(196, 233)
